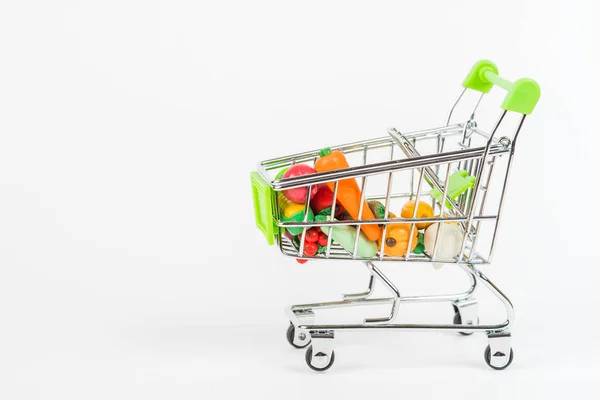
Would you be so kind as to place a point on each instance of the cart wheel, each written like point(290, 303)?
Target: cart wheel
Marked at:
point(458, 321)
point(301, 342)
point(319, 358)
point(488, 358)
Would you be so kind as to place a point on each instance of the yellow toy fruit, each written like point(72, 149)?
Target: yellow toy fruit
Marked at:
point(424, 210)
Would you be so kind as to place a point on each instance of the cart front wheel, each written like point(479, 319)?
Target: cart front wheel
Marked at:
point(320, 361)
point(458, 321)
point(299, 341)
point(488, 359)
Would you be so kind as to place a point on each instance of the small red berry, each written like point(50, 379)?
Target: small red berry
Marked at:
point(311, 235)
point(310, 249)
point(322, 239)
point(302, 260)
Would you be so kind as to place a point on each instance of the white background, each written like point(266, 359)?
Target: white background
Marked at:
point(129, 262)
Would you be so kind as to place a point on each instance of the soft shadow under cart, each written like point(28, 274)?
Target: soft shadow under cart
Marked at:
point(459, 169)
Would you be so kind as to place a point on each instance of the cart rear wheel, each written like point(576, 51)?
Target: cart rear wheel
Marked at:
point(458, 321)
point(320, 359)
point(488, 358)
point(301, 342)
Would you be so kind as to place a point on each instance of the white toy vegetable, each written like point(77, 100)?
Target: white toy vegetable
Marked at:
point(448, 245)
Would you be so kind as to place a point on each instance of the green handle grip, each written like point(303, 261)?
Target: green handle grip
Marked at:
point(523, 94)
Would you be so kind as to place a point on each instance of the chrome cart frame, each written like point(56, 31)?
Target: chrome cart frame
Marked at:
point(478, 153)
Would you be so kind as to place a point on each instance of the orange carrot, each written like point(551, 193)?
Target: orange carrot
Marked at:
point(348, 193)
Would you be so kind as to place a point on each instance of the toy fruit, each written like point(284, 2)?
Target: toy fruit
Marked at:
point(424, 210)
point(298, 195)
point(378, 210)
point(346, 236)
point(322, 241)
point(293, 212)
point(310, 249)
point(396, 239)
point(448, 245)
point(348, 193)
point(323, 201)
point(312, 235)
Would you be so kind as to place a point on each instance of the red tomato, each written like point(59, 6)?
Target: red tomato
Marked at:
point(323, 199)
point(322, 239)
point(311, 235)
point(310, 249)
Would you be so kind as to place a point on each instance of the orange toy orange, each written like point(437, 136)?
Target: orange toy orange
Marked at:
point(424, 210)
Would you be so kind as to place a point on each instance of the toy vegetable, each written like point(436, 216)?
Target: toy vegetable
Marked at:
point(348, 193)
point(424, 210)
point(323, 201)
point(420, 248)
point(396, 239)
point(449, 243)
point(315, 242)
point(378, 210)
point(293, 212)
point(298, 195)
point(346, 236)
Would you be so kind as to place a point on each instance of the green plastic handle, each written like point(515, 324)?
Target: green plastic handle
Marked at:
point(523, 94)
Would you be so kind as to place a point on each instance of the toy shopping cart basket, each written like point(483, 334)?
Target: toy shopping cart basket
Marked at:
point(447, 185)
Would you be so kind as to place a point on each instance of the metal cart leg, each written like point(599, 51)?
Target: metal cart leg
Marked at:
point(396, 299)
point(510, 311)
point(368, 293)
point(360, 299)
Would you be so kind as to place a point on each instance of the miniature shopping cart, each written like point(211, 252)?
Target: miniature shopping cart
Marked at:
point(458, 169)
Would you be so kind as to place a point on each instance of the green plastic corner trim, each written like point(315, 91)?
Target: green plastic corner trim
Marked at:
point(475, 79)
point(459, 182)
point(264, 203)
point(522, 96)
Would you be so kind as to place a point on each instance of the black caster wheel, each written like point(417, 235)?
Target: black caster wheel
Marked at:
point(329, 359)
point(458, 321)
point(488, 359)
point(291, 333)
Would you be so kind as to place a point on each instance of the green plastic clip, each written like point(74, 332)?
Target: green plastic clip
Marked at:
point(459, 182)
point(264, 206)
